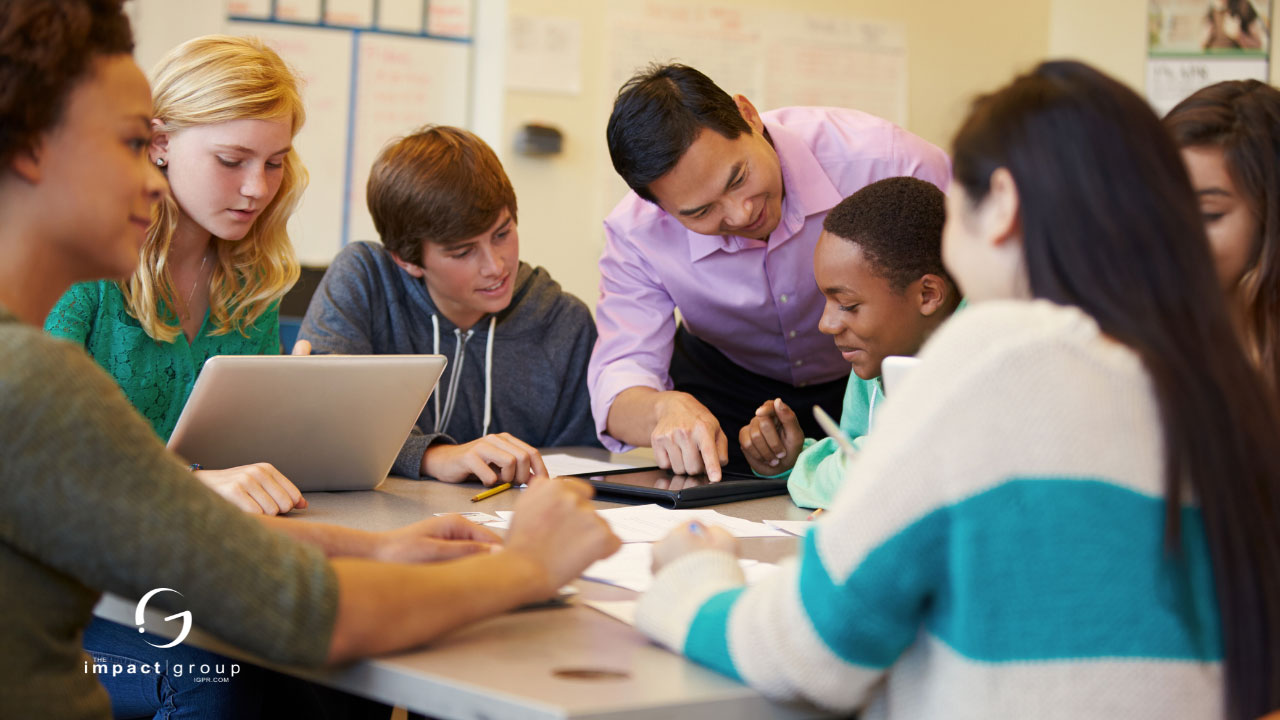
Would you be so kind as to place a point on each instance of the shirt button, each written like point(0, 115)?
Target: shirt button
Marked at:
point(793, 333)
point(799, 363)
point(802, 384)
point(783, 298)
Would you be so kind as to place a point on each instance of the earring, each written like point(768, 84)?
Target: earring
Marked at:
point(160, 162)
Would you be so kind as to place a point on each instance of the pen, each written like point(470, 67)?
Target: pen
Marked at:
point(491, 492)
point(833, 430)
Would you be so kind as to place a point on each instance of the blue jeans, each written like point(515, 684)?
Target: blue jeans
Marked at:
point(180, 683)
point(195, 684)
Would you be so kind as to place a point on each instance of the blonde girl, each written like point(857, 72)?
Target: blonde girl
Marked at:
point(216, 259)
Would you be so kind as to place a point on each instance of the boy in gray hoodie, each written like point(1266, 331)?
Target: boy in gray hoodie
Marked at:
point(447, 279)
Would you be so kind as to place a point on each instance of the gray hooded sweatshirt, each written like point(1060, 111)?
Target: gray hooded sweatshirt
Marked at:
point(536, 376)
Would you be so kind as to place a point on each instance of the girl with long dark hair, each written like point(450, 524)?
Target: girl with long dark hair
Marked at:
point(1072, 507)
point(1229, 134)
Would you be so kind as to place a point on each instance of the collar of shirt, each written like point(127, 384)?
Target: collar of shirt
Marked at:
point(808, 191)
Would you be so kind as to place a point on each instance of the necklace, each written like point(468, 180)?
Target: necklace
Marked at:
point(186, 307)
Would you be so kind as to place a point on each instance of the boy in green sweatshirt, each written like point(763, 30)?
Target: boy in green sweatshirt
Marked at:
point(879, 264)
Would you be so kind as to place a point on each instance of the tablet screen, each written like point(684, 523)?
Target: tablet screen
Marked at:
point(656, 479)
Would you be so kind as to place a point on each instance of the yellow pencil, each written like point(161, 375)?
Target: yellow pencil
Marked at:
point(491, 492)
point(815, 514)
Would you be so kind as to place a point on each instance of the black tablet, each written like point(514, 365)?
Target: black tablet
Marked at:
point(654, 485)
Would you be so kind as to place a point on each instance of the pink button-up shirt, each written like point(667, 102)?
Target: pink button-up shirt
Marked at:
point(755, 301)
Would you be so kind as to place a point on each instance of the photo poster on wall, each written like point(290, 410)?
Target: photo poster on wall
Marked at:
point(776, 58)
point(1194, 43)
point(371, 72)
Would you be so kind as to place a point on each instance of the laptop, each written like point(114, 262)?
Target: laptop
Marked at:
point(327, 422)
point(654, 485)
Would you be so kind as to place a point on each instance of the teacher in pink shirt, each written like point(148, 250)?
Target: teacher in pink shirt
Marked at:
point(725, 210)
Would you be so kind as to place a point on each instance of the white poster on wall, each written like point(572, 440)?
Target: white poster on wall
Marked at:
point(776, 58)
point(1194, 43)
point(544, 54)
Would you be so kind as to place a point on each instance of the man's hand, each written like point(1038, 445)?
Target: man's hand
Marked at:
point(687, 438)
point(773, 439)
point(494, 459)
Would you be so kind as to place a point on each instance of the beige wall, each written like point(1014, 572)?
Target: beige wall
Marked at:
point(1111, 34)
point(955, 49)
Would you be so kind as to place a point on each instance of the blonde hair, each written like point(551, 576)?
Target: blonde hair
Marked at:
point(209, 80)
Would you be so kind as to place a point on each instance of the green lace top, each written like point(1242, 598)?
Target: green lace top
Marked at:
point(156, 377)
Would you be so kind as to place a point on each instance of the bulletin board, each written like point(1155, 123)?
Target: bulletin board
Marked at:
point(372, 71)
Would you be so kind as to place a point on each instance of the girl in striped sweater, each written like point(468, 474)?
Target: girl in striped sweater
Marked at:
point(1072, 508)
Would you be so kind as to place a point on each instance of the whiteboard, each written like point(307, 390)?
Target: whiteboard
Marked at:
point(371, 73)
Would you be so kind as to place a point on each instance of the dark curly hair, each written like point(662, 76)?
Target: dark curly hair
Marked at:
point(46, 47)
point(898, 224)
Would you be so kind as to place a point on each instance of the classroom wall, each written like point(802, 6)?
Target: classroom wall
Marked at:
point(955, 50)
point(1111, 34)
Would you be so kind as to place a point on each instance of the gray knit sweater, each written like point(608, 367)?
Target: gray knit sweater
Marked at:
point(366, 304)
point(114, 511)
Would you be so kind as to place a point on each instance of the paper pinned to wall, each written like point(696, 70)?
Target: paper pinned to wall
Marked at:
point(400, 87)
point(544, 54)
point(260, 9)
point(301, 11)
point(449, 18)
point(722, 41)
point(835, 61)
point(325, 93)
point(1193, 43)
point(775, 58)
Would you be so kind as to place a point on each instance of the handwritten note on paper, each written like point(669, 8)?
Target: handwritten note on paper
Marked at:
point(403, 84)
point(449, 18)
point(260, 9)
point(325, 91)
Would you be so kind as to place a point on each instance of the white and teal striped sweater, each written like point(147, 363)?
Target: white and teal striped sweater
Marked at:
point(997, 553)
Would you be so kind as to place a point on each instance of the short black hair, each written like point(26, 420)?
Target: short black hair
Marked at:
point(898, 223)
point(656, 117)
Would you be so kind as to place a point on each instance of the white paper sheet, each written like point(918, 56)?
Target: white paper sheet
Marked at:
point(651, 523)
point(622, 610)
point(478, 518)
point(630, 568)
point(562, 464)
point(625, 610)
point(793, 527)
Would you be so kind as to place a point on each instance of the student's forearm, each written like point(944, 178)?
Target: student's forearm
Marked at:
point(384, 607)
point(633, 415)
point(334, 540)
